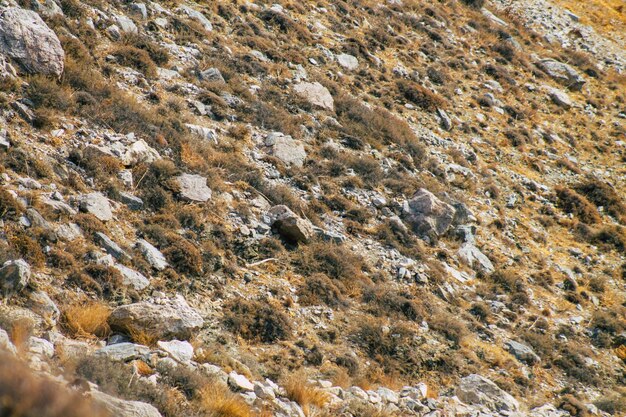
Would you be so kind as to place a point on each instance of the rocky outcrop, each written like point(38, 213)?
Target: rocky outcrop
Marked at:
point(478, 390)
point(562, 73)
point(96, 204)
point(14, 276)
point(26, 39)
point(290, 226)
point(428, 215)
point(193, 188)
point(285, 148)
point(316, 94)
point(122, 408)
point(163, 319)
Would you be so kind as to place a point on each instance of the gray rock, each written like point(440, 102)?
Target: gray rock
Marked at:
point(40, 347)
point(348, 62)
point(140, 152)
point(37, 220)
point(39, 302)
point(285, 148)
point(49, 8)
point(427, 214)
point(132, 278)
point(548, 410)
point(96, 204)
point(523, 352)
point(208, 134)
point(24, 111)
point(122, 408)
point(239, 382)
point(25, 38)
point(212, 75)
point(180, 351)
point(196, 15)
point(153, 256)
point(289, 225)
point(316, 94)
point(14, 276)
point(139, 10)
point(172, 319)
point(111, 247)
point(388, 396)
point(562, 73)
point(132, 202)
point(444, 120)
point(5, 343)
point(264, 391)
point(478, 390)
point(68, 232)
point(474, 258)
point(125, 24)
point(560, 98)
point(193, 187)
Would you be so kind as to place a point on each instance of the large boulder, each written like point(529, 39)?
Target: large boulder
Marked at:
point(428, 215)
point(170, 319)
point(122, 408)
point(96, 204)
point(316, 94)
point(478, 390)
point(290, 226)
point(193, 187)
point(14, 276)
point(25, 38)
point(285, 148)
point(562, 73)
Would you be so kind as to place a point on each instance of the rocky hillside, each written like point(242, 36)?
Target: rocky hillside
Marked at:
point(351, 208)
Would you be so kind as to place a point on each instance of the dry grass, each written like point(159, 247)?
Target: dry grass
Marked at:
point(218, 401)
point(87, 320)
point(143, 337)
point(20, 332)
point(309, 397)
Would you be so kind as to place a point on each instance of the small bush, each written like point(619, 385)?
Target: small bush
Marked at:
point(390, 303)
point(613, 404)
point(421, 96)
point(87, 320)
point(318, 288)
point(183, 256)
point(9, 207)
point(309, 397)
point(157, 54)
point(572, 202)
point(218, 401)
point(476, 4)
point(255, 320)
point(136, 58)
point(607, 237)
point(603, 195)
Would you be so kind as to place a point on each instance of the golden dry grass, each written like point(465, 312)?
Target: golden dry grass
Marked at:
point(309, 397)
point(87, 320)
point(20, 332)
point(219, 401)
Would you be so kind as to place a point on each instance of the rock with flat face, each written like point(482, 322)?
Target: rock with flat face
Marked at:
point(428, 215)
point(171, 319)
point(25, 38)
point(478, 390)
point(562, 73)
point(14, 276)
point(522, 352)
point(316, 94)
point(560, 98)
point(193, 187)
point(196, 15)
point(474, 258)
point(96, 204)
point(139, 152)
point(123, 352)
point(289, 225)
point(154, 256)
point(111, 247)
point(123, 408)
point(132, 278)
point(285, 148)
point(348, 62)
point(181, 351)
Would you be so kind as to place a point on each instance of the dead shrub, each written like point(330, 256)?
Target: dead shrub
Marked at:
point(384, 302)
point(603, 195)
point(572, 202)
point(256, 320)
point(421, 96)
point(87, 320)
point(10, 208)
point(218, 401)
point(130, 56)
point(309, 397)
point(318, 289)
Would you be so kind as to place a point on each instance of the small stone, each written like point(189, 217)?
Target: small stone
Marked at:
point(212, 75)
point(111, 247)
point(181, 351)
point(132, 278)
point(316, 94)
point(131, 201)
point(289, 225)
point(348, 62)
point(153, 256)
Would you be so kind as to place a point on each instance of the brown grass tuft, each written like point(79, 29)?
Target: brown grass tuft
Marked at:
point(218, 401)
point(309, 397)
point(87, 320)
